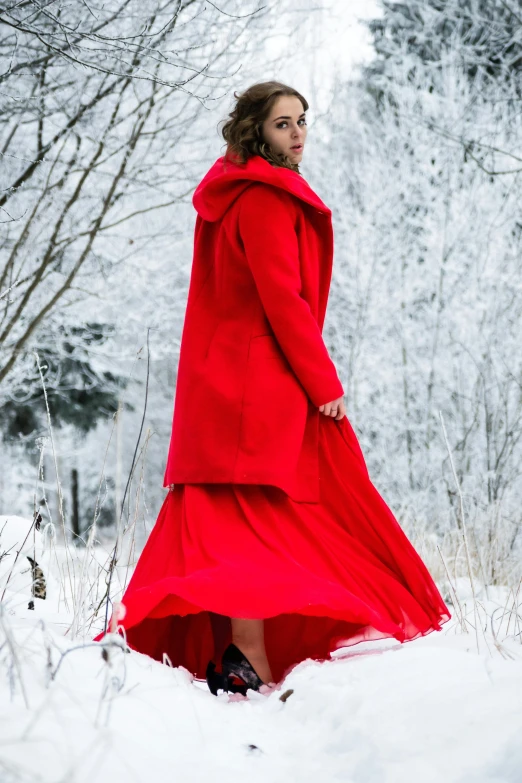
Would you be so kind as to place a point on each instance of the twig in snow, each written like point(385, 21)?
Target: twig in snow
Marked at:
point(16, 558)
point(58, 483)
point(118, 538)
point(463, 518)
point(14, 656)
point(457, 602)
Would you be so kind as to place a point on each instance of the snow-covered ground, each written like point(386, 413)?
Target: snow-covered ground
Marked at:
point(436, 709)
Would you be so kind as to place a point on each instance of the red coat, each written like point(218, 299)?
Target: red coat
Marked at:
point(253, 367)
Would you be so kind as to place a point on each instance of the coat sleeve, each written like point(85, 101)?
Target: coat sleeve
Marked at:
point(267, 230)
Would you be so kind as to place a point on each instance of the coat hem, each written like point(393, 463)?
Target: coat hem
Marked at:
point(312, 496)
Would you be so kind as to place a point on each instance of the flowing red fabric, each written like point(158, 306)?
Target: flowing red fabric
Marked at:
point(322, 575)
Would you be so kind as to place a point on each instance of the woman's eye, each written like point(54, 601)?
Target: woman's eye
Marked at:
point(284, 122)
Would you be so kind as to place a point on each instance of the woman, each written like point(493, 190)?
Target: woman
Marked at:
point(272, 545)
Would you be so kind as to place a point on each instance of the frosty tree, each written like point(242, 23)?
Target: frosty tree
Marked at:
point(426, 304)
point(97, 100)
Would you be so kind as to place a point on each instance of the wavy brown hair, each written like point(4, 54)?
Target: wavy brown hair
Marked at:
point(242, 131)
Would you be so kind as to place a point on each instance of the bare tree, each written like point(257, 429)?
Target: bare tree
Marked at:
point(96, 103)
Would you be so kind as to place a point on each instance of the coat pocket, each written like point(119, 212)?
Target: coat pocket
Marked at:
point(275, 407)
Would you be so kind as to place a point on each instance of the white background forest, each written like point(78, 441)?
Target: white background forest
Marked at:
point(109, 118)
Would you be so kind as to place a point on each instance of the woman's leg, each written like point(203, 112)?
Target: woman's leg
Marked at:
point(249, 636)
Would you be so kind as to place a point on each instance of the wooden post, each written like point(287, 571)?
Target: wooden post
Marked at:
point(75, 505)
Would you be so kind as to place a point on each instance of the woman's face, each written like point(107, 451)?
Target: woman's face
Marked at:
point(285, 127)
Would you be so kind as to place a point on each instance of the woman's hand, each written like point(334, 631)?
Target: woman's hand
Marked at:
point(335, 409)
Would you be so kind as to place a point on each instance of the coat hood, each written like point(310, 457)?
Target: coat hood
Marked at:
point(225, 181)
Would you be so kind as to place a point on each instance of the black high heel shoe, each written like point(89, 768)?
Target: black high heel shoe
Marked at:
point(216, 682)
point(236, 665)
point(214, 679)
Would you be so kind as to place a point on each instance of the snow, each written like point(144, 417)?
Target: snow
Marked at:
point(445, 707)
point(428, 710)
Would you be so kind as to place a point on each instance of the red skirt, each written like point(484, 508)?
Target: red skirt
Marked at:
point(323, 575)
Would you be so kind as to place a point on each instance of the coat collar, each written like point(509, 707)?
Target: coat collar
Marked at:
point(226, 180)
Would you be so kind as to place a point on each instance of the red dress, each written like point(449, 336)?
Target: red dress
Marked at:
point(299, 536)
